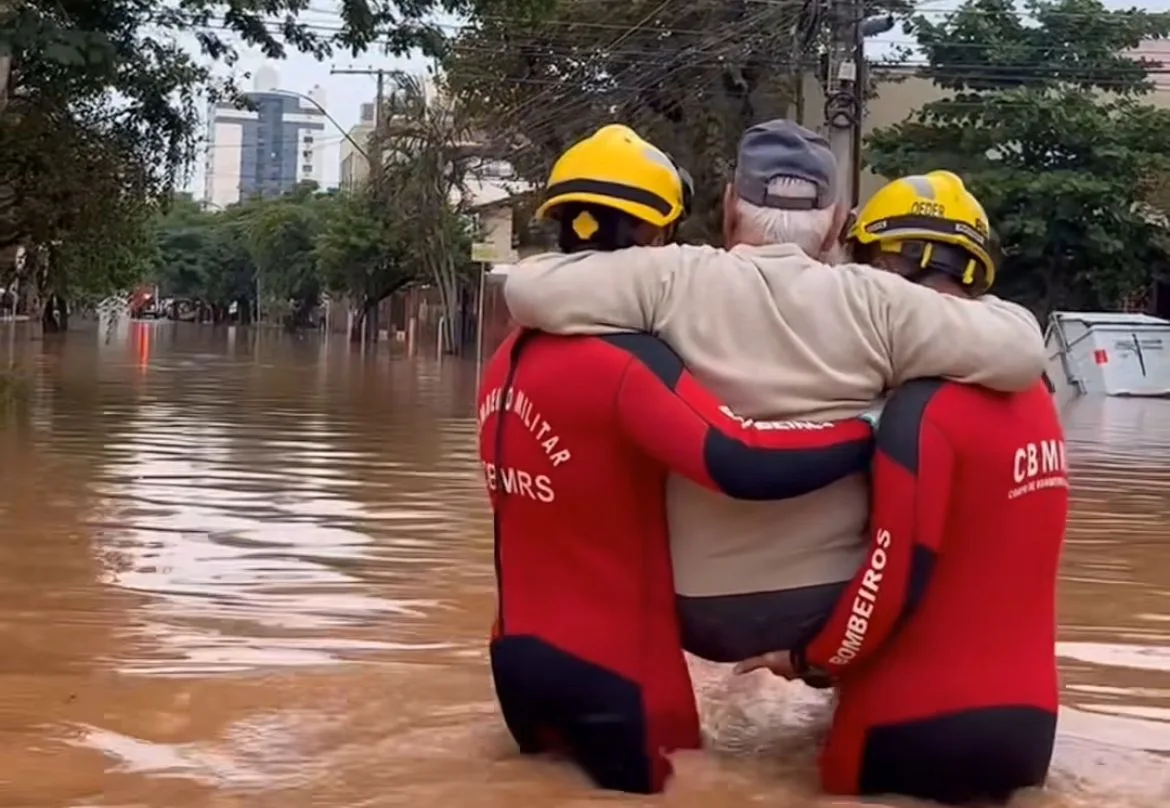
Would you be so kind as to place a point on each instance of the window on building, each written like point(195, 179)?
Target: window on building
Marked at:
point(306, 168)
point(307, 154)
point(308, 140)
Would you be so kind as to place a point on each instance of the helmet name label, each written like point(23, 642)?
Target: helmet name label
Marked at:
point(924, 208)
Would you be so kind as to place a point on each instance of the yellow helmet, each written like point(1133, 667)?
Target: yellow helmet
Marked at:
point(616, 168)
point(910, 215)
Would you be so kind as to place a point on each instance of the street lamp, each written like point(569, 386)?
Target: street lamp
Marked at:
point(329, 118)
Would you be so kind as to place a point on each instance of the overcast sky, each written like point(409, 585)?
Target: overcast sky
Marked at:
point(343, 95)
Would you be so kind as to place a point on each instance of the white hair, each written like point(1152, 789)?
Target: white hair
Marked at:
point(807, 229)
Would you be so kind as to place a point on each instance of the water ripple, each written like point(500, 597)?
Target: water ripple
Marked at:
point(242, 569)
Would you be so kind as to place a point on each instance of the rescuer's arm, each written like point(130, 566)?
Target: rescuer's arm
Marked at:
point(912, 484)
point(664, 410)
point(597, 292)
point(985, 341)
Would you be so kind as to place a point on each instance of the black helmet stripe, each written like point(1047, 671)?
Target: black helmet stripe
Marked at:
point(895, 226)
point(614, 190)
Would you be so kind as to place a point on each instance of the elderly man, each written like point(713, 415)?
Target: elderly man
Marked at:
point(577, 436)
point(776, 334)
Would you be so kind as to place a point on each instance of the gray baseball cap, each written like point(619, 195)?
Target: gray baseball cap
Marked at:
point(781, 148)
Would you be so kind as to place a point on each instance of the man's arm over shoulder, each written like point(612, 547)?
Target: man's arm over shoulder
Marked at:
point(989, 342)
point(673, 419)
point(599, 292)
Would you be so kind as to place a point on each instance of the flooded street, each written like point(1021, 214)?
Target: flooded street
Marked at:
point(242, 569)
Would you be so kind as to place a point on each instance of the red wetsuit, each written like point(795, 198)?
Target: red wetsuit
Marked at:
point(944, 642)
point(586, 654)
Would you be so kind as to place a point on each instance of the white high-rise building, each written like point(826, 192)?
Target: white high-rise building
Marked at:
point(264, 151)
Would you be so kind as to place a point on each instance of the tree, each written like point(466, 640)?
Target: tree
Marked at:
point(409, 224)
point(184, 236)
point(361, 253)
point(282, 235)
point(1047, 124)
point(72, 185)
point(115, 66)
point(689, 77)
point(429, 156)
point(203, 258)
point(364, 246)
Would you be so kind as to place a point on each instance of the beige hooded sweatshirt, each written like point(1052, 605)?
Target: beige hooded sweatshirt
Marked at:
point(777, 336)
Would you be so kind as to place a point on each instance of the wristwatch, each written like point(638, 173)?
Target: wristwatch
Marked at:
point(813, 677)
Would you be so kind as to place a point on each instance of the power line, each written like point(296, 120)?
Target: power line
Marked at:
point(657, 66)
point(646, 56)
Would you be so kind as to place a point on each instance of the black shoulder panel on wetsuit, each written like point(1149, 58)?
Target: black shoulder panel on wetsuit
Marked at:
point(899, 430)
point(740, 470)
point(898, 437)
point(652, 352)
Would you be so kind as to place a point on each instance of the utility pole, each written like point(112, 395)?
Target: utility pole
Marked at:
point(376, 163)
point(373, 156)
point(843, 93)
point(846, 81)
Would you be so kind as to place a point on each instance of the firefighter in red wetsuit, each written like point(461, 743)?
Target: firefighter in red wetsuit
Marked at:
point(943, 646)
point(577, 436)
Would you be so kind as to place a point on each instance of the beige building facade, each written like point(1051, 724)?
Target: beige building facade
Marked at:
point(354, 167)
point(898, 100)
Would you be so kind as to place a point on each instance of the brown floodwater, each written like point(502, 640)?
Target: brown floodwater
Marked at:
point(242, 569)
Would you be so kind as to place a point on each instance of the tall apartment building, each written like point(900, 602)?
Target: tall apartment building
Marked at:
point(263, 151)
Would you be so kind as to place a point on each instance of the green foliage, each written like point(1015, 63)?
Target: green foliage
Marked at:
point(281, 236)
point(99, 112)
point(204, 256)
point(360, 252)
point(689, 77)
point(72, 193)
point(1047, 123)
point(430, 155)
point(407, 225)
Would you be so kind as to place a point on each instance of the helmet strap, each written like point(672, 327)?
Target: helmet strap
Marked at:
point(937, 257)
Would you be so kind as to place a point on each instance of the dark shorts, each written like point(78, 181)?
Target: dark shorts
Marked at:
point(730, 628)
point(977, 756)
